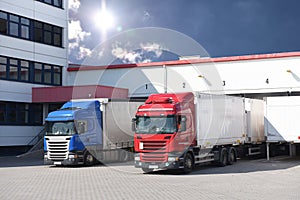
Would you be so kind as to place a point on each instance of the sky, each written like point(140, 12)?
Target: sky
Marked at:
point(220, 28)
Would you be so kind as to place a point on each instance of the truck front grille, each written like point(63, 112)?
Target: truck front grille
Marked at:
point(154, 157)
point(154, 146)
point(58, 149)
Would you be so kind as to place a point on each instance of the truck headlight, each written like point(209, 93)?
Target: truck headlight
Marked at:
point(172, 159)
point(137, 158)
point(73, 156)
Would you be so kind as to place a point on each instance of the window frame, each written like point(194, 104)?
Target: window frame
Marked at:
point(21, 65)
point(21, 114)
point(29, 29)
point(52, 3)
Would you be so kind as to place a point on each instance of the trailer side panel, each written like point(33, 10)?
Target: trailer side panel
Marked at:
point(219, 119)
point(282, 119)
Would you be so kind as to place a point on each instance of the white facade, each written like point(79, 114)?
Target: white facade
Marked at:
point(257, 74)
point(34, 52)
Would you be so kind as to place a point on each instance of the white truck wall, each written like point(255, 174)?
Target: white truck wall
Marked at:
point(18, 135)
point(255, 120)
point(282, 119)
point(219, 120)
point(117, 124)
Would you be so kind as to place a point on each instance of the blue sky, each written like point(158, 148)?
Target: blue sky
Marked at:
point(221, 27)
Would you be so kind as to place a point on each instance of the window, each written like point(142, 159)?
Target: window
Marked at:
point(36, 113)
point(14, 25)
point(47, 34)
point(57, 35)
point(2, 112)
point(38, 31)
point(25, 27)
point(47, 73)
point(12, 113)
point(27, 71)
point(13, 69)
point(24, 70)
point(57, 75)
point(23, 113)
point(3, 62)
point(3, 23)
point(38, 68)
point(29, 29)
point(56, 3)
point(2, 71)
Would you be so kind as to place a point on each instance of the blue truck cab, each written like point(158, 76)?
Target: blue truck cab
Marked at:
point(71, 131)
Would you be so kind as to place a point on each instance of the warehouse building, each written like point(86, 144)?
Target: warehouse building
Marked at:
point(35, 77)
point(33, 53)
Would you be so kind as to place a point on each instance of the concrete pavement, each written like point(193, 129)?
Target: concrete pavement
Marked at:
point(28, 178)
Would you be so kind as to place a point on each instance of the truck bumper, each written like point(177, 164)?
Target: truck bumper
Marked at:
point(70, 161)
point(63, 162)
point(174, 162)
point(164, 165)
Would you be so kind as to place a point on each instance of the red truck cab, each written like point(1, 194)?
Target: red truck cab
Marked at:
point(164, 129)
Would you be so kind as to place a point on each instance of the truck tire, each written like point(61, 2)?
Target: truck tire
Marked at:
point(223, 157)
point(231, 156)
point(123, 156)
point(188, 163)
point(147, 170)
point(88, 159)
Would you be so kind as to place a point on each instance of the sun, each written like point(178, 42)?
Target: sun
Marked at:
point(104, 20)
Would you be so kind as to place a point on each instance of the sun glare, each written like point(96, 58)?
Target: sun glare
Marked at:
point(104, 20)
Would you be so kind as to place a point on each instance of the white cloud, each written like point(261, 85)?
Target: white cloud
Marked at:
point(127, 56)
point(76, 37)
point(83, 53)
point(152, 47)
point(145, 53)
point(74, 5)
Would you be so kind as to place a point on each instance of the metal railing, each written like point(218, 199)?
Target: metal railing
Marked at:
point(37, 141)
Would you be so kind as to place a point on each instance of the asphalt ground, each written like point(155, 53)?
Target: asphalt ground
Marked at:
point(27, 178)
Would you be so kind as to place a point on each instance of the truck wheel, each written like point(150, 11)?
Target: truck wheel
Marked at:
point(147, 170)
point(123, 156)
point(188, 163)
point(223, 157)
point(88, 159)
point(231, 156)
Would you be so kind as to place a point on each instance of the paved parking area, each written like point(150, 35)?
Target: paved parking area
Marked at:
point(28, 178)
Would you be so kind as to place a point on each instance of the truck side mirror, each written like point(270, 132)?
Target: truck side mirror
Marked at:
point(182, 123)
point(133, 124)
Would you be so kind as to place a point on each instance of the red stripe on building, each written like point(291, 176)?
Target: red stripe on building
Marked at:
point(66, 93)
point(76, 67)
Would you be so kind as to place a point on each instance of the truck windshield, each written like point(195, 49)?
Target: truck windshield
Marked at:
point(153, 125)
point(60, 128)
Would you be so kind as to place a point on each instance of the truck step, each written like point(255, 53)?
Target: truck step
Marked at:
point(204, 158)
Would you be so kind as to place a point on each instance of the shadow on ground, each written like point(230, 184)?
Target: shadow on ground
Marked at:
point(242, 166)
point(30, 159)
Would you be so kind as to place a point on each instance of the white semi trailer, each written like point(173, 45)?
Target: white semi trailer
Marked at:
point(281, 122)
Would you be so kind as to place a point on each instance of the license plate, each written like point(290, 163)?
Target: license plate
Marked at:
point(153, 166)
point(57, 163)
